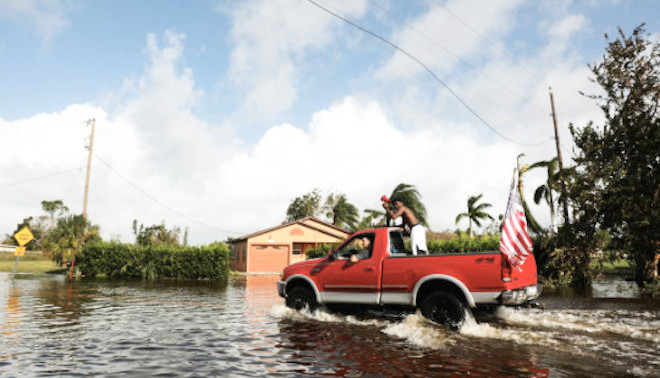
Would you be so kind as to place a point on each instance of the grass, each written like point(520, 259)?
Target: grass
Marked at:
point(30, 263)
point(613, 268)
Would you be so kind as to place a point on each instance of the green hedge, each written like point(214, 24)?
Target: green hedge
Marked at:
point(116, 260)
point(464, 245)
point(321, 251)
point(454, 245)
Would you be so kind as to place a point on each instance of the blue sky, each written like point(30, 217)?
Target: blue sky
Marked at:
point(213, 115)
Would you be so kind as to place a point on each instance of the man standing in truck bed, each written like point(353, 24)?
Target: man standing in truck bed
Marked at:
point(417, 233)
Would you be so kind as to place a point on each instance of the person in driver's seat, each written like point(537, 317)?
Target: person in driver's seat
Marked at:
point(365, 253)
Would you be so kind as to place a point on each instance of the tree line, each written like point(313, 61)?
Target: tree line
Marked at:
point(61, 235)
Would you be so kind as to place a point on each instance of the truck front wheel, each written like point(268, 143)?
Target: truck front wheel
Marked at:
point(444, 308)
point(301, 297)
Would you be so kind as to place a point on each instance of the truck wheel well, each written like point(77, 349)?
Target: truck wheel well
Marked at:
point(439, 285)
point(298, 282)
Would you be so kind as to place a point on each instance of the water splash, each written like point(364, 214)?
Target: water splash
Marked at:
point(322, 315)
point(420, 332)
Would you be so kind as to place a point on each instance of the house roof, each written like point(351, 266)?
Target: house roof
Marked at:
point(301, 222)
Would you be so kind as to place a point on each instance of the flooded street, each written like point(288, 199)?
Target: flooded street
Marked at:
point(134, 328)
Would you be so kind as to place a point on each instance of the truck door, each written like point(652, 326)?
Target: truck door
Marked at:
point(353, 281)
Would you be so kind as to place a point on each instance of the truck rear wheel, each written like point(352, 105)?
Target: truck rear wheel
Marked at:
point(444, 308)
point(301, 297)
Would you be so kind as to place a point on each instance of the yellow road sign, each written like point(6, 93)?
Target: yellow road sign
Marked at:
point(23, 236)
point(20, 251)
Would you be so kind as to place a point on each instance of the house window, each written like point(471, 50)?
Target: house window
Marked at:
point(233, 252)
point(297, 249)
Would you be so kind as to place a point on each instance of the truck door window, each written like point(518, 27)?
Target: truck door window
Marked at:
point(397, 246)
point(361, 245)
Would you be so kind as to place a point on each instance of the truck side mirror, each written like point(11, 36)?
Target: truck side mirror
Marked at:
point(331, 255)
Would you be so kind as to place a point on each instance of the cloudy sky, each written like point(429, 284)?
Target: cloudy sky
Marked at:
point(214, 115)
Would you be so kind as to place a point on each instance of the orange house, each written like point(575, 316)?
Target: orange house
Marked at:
point(272, 249)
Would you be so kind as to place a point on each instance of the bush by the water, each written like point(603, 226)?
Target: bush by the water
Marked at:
point(116, 260)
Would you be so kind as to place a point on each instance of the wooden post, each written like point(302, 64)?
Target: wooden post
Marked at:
point(15, 267)
point(89, 167)
point(564, 201)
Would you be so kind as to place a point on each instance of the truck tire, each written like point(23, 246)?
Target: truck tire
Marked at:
point(444, 308)
point(301, 297)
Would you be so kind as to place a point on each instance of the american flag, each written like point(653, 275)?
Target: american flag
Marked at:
point(515, 244)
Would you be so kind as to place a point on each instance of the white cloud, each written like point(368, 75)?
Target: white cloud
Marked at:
point(47, 18)
point(43, 159)
point(353, 148)
point(271, 37)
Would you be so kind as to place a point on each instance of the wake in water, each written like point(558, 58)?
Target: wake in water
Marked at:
point(626, 338)
point(619, 336)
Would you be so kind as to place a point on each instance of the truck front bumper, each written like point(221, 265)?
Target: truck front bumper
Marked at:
point(519, 296)
point(281, 288)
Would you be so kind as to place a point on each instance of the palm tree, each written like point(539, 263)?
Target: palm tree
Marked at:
point(410, 197)
point(531, 222)
point(372, 219)
point(475, 212)
point(65, 241)
point(545, 191)
point(342, 212)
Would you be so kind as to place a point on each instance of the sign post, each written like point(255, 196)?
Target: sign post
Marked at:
point(23, 237)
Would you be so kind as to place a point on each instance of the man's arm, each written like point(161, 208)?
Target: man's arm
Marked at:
point(363, 254)
point(390, 213)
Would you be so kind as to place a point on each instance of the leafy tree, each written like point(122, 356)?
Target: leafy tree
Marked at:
point(616, 180)
point(37, 231)
point(52, 207)
point(410, 197)
point(342, 212)
point(156, 234)
point(309, 205)
point(65, 240)
point(475, 213)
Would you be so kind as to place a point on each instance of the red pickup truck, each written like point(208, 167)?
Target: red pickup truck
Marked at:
point(442, 286)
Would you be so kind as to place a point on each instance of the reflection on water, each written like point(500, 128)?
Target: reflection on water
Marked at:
point(133, 328)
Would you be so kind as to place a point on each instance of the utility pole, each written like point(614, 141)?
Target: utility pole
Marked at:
point(564, 201)
point(89, 166)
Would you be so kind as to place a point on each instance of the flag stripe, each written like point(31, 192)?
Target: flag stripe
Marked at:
point(515, 244)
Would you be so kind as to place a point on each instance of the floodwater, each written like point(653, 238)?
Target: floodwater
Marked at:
point(50, 327)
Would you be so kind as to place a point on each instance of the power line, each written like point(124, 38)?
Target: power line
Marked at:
point(162, 204)
point(40, 177)
point(455, 56)
point(409, 55)
point(485, 38)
